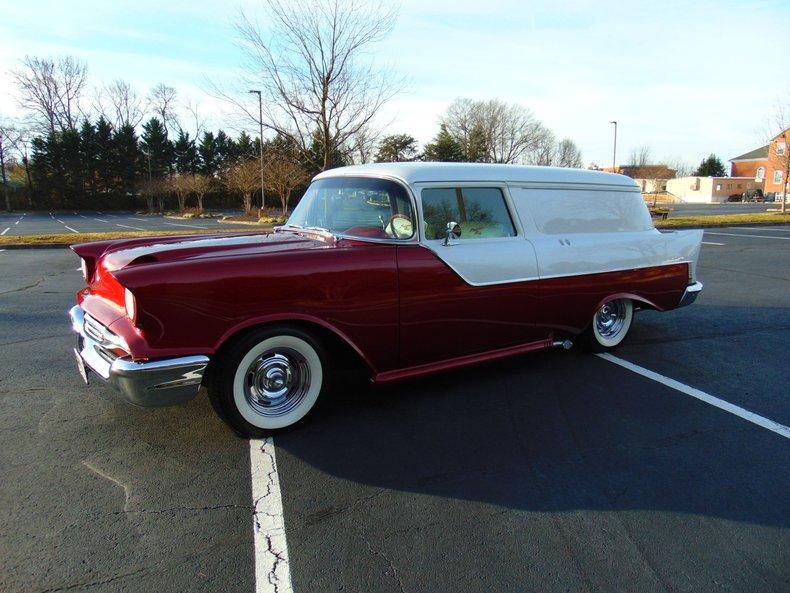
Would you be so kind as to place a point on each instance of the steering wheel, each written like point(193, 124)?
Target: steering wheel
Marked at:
point(400, 226)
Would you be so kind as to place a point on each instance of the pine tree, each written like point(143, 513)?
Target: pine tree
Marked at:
point(711, 167)
point(105, 150)
point(156, 148)
point(245, 148)
point(397, 148)
point(226, 148)
point(127, 159)
point(72, 166)
point(186, 154)
point(89, 155)
point(209, 156)
point(444, 148)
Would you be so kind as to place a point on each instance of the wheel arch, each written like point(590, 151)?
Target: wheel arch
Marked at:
point(338, 345)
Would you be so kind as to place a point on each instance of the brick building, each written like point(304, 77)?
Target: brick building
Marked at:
point(767, 163)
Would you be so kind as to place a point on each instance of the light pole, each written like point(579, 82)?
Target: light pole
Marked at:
point(260, 123)
point(787, 174)
point(614, 149)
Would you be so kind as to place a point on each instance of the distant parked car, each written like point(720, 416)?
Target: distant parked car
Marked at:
point(770, 196)
point(753, 195)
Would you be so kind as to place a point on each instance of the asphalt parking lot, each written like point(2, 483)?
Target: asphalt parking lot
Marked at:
point(556, 471)
point(84, 221)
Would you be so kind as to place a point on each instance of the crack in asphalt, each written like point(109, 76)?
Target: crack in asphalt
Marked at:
point(75, 586)
point(388, 561)
point(24, 288)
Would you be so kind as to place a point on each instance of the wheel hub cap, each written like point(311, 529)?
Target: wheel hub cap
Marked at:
point(610, 319)
point(276, 382)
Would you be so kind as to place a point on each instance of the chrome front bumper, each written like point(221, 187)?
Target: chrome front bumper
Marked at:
point(151, 384)
point(691, 293)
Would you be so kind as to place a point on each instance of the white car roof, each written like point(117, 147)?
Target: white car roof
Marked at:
point(421, 172)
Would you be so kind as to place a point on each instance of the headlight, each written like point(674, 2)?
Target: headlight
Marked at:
point(131, 306)
point(84, 268)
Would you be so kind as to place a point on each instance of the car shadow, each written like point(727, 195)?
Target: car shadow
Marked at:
point(551, 431)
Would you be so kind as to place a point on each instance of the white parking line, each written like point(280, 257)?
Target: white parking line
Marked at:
point(100, 220)
point(71, 229)
point(83, 216)
point(5, 231)
point(272, 569)
point(779, 429)
point(752, 228)
point(141, 219)
point(126, 226)
point(711, 243)
point(191, 226)
point(747, 235)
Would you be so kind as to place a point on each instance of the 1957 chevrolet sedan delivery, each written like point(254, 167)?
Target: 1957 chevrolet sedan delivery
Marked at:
point(411, 267)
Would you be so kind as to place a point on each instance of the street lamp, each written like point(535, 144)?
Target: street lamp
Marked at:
point(614, 149)
point(260, 122)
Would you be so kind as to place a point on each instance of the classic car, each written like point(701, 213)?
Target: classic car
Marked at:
point(408, 268)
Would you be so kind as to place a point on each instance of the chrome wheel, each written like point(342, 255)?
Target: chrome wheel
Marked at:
point(610, 318)
point(276, 382)
point(612, 322)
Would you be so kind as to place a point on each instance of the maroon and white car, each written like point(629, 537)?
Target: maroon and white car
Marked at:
point(409, 268)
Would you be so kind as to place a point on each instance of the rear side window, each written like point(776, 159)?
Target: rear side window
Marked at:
point(480, 211)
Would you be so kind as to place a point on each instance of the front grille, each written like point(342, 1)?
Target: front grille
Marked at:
point(94, 329)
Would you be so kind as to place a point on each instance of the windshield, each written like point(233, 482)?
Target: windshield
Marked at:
point(356, 206)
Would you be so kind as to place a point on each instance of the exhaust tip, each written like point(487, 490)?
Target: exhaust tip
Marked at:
point(564, 344)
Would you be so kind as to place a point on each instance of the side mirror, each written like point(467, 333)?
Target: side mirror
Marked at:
point(453, 232)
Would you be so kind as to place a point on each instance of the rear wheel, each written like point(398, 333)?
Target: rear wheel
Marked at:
point(609, 325)
point(268, 380)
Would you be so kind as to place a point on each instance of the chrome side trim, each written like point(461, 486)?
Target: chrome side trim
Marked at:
point(690, 294)
point(150, 384)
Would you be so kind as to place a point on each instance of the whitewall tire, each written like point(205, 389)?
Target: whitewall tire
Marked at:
point(268, 380)
point(609, 325)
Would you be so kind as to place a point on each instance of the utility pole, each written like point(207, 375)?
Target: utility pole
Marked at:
point(5, 180)
point(614, 149)
point(260, 149)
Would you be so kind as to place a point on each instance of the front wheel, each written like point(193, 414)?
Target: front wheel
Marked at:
point(609, 325)
point(268, 380)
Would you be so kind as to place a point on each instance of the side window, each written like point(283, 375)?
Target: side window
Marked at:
point(480, 211)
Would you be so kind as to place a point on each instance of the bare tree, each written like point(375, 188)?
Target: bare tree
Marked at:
point(681, 167)
point(780, 131)
point(5, 144)
point(125, 105)
point(162, 101)
point(244, 178)
point(640, 157)
point(509, 133)
point(545, 152)
point(181, 186)
point(362, 147)
point(193, 109)
point(200, 185)
point(151, 189)
point(316, 89)
point(283, 175)
point(568, 154)
point(51, 89)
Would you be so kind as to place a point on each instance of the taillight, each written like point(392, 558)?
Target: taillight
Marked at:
point(130, 304)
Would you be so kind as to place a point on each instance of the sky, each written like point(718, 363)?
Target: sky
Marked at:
point(685, 78)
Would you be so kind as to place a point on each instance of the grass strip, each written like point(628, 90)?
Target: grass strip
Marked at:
point(718, 220)
point(72, 238)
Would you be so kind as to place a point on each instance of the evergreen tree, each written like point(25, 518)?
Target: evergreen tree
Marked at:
point(245, 148)
point(156, 148)
point(89, 155)
point(105, 152)
point(69, 141)
point(397, 148)
point(444, 148)
point(226, 149)
point(127, 159)
point(209, 155)
point(186, 154)
point(476, 149)
point(711, 167)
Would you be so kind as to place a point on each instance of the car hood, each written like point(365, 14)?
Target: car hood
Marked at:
point(169, 249)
